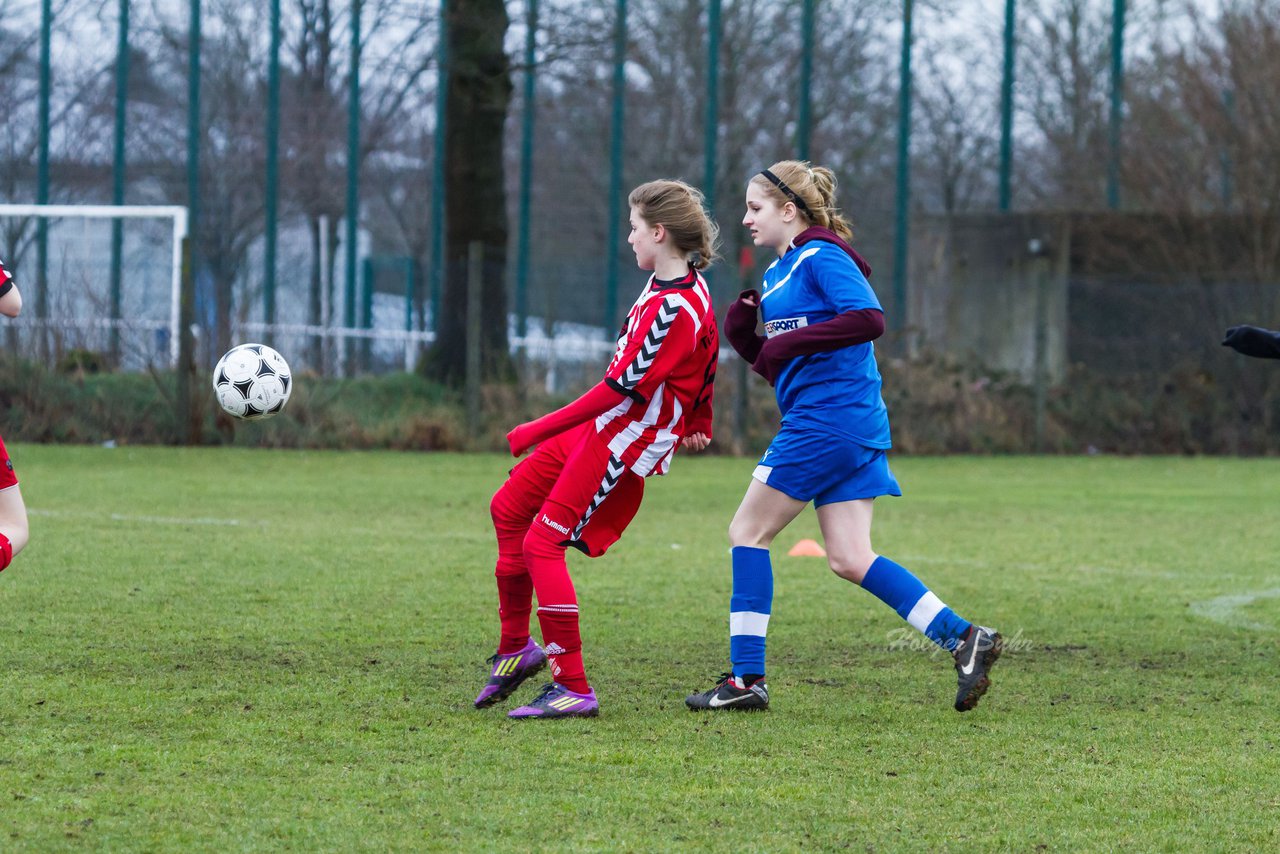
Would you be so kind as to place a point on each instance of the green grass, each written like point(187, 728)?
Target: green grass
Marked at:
point(236, 650)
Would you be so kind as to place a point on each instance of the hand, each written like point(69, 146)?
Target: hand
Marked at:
point(518, 440)
point(1253, 341)
point(695, 442)
point(742, 312)
point(740, 325)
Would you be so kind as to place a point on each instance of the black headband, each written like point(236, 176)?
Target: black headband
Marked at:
point(787, 191)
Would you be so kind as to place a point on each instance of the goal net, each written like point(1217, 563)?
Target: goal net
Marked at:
point(70, 299)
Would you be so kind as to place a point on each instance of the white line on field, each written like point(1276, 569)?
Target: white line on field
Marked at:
point(1225, 609)
point(155, 520)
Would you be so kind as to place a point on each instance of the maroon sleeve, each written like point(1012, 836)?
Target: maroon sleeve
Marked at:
point(740, 326)
point(843, 330)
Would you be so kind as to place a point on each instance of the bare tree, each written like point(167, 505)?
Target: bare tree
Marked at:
point(1063, 89)
point(1204, 150)
point(72, 92)
point(665, 114)
point(956, 120)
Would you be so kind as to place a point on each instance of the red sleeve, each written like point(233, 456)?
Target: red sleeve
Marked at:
point(662, 341)
point(6, 280)
point(699, 418)
point(600, 399)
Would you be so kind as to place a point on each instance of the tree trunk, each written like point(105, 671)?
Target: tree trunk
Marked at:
point(475, 186)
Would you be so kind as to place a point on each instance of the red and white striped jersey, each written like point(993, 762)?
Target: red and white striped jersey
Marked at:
point(5, 276)
point(665, 364)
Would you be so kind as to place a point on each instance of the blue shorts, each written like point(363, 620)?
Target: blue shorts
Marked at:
point(818, 467)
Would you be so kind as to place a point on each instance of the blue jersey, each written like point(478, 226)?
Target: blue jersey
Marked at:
point(836, 392)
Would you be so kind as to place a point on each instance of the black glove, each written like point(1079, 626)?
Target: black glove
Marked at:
point(1253, 341)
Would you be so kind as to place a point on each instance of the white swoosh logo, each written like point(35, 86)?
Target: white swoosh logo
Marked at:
point(973, 659)
point(716, 702)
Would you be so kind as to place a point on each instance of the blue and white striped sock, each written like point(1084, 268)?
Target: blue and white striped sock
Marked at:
point(903, 592)
point(749, 609)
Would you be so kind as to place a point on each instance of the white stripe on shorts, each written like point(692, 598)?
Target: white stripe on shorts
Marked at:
point(762, 474)
point(924, 611)
point(748, 623)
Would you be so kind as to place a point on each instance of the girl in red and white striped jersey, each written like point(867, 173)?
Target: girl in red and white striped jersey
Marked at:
point(583, 484)
point(13, 511)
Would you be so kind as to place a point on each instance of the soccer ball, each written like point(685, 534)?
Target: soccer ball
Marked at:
point(252, 381)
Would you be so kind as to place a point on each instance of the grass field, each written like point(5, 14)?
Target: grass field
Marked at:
point(251, 650)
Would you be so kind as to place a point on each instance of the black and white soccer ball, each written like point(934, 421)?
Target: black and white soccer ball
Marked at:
point(252, 381)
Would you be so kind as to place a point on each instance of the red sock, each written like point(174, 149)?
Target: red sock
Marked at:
point(6, 552)
point(564, 648)
point(557, 600)
point(511, 516)
point(515, 602)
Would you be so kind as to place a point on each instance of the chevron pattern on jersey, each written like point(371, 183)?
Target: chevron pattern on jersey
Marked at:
point(612, 474)
point(666, 316)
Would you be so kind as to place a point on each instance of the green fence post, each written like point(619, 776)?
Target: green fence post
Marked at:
point(42, 170)
point(437, 168)
point(193, 140)
point(117, 173)
point(353, 177)
point(615, 167)
point(1117, 104)
point(711, 130)
point(526, 170)
point(904, 176)
point(805, 117)
point(1006, 105)
point(272, 170)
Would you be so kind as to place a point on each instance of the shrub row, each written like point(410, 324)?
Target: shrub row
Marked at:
point(936, 406)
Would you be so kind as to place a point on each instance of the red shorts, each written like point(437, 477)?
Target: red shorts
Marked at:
point(8, 477)
point(583, 494)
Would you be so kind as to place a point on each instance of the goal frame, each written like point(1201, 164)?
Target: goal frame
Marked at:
point(177, 213)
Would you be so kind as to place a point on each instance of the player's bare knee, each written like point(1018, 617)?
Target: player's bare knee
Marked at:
point(17, 532)
point(851, 567)
point(18, 539)
point(742, 534)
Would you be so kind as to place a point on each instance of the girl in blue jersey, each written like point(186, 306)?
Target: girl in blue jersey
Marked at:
point(820, 317)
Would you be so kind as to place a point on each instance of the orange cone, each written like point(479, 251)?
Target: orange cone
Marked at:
point(807, 548)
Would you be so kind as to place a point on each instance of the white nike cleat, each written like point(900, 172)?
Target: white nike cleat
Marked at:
point(975, 655)
point(731, 693)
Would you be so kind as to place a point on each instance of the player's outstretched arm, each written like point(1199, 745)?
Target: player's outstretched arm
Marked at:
point(600, 399)
point(1253, 341)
